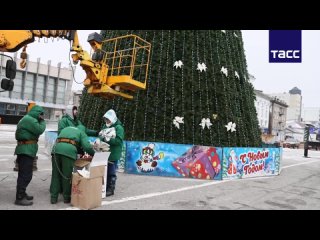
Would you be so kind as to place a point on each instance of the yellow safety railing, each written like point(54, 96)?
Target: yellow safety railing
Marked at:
point(127, 58)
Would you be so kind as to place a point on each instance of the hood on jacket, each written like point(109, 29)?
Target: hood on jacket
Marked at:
point(69, 110)
point(111, 115)
point(35, 111)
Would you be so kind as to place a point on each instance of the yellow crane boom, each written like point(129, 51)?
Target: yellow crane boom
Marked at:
point(108, 74)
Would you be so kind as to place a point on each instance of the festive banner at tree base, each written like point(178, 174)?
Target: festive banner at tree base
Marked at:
point(251, 162)
point(201, 162)
point(173, 160)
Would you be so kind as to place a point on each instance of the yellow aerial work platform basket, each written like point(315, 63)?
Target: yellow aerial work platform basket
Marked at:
point(124, 67)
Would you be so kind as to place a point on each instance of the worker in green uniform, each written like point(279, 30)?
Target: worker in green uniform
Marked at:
point(112, 133)
point(29, 128)
point(64, 154)
point(70, 119)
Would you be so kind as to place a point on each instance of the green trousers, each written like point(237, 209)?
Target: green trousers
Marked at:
point(62, 168)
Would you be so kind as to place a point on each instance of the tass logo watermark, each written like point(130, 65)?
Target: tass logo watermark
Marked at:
point(285, 46)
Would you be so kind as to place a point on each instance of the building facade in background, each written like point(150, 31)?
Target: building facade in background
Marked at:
point(294, 101)
point(47, 85)
point(262, 104)
point(278, 118)
point(76, 98)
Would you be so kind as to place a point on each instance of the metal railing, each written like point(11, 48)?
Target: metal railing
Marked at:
point(127, 55)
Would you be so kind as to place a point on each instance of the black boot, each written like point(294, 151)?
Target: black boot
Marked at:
point(109, 191)
point(28, 197)
point(21, 199)
point(111, 187)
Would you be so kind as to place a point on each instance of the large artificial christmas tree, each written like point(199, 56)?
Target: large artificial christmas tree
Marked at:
point(198, 75)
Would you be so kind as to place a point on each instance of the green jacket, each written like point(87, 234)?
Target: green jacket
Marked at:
point(67, 121)
point(30, 128)
point(69, 150)
point(115, 143)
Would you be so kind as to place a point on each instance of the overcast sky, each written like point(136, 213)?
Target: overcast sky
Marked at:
point(270, 77)
point(281, 77)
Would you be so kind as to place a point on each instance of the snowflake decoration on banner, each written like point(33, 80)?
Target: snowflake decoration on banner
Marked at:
point(224, 71)
point(224, 31)
point(235, 34)
point(236, 74)
point(178, 64)
point(231, 126)
point(201, 67)
point(205, 122)
point(177, 121)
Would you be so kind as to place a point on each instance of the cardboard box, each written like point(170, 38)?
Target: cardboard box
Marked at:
point(85, 192)
point(97, 168)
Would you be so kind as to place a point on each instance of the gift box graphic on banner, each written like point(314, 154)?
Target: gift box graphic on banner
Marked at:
point(199, 162)
point(184, 163)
